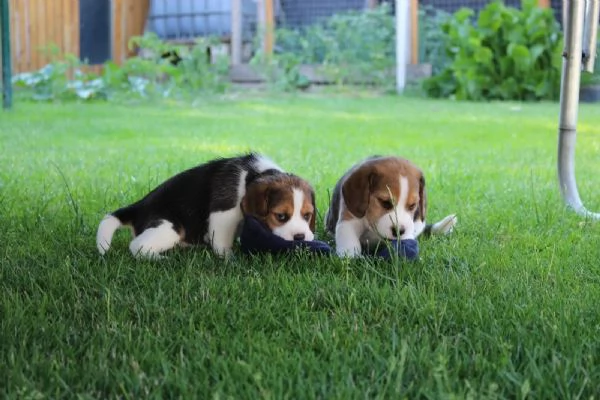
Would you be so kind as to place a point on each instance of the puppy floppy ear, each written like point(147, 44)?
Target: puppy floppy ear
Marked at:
point(313, 220)
point(422, 209)
point(357, 190)
point(255, 201)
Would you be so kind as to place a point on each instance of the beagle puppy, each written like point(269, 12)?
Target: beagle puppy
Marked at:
point(203, 205)
point(377, 199)
point(284, 203)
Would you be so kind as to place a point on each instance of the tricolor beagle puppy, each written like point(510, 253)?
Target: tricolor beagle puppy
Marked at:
point(380, 198)
point(205, 204)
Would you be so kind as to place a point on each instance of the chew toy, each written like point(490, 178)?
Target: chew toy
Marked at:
point(256, 238)
point(407, 248)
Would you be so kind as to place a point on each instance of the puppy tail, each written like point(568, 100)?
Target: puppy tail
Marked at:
point(106, 230)
point(442, 227)
point(109, 225)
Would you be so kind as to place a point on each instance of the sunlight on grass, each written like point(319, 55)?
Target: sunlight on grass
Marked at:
point(219, 149)
point(310, 112)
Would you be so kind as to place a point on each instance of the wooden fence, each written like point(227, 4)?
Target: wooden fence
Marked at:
point(129, 18)
point(38, 24)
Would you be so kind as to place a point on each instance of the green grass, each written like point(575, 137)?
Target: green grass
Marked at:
point(505, 307)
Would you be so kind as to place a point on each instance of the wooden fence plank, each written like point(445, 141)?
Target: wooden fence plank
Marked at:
point(38, 24)
point(414, 32)
point(42, 39)
point(129, 26)
point(57, 36)
point(117, 31)
point(75, 27)
point(14, 33)
point(67, 21)
point(30, 38)
point(22, 37)
point(129, 20)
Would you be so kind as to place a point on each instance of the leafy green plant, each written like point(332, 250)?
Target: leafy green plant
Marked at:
point(361, 46)
point(193, 73)
point(282, 69)
point(350, 47)
point(196, 71)
point(150, 74)
point(432, 39)
point(61, 79)
point(508, 54)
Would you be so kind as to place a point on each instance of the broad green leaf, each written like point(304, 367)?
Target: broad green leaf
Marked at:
point(463, 14)
point(520, 55)
point(483, 55)
point(536, 51)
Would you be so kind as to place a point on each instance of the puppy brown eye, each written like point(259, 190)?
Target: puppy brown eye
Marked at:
point(281, 217)
point(386, 204)
point(307, 216)
point(412, 207)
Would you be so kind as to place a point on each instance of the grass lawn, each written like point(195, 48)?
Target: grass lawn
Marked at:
point(505, 307)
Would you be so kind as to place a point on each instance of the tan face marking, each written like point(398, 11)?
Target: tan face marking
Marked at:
point(285, 203)
point(388, 193)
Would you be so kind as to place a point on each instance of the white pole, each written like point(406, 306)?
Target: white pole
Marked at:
point(236, 32)
point(590, 34)
point(402, 44)
point(569, 103)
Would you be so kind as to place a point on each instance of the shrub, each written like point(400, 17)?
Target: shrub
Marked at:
point(194, 71)
point(61, 79)
point(145, 76)
point(432, 39)
point(510, 54)
point(355, 46)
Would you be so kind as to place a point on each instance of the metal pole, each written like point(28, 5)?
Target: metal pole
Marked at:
point(590, 31)
point(569, 103)
point(402, 31)
point(6, 67)
point(236, 32)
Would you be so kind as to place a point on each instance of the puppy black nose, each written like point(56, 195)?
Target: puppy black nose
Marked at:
point(398, 231)
point(299, 236)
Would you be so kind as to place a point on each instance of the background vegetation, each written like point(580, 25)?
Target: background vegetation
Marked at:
point(508, 54)
point(503, 53)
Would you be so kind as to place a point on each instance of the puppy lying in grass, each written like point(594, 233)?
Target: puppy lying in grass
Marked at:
point(203, 205)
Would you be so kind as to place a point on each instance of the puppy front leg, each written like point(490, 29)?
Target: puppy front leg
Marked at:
point(222, 227)
point(347, 238)
point(419, 227)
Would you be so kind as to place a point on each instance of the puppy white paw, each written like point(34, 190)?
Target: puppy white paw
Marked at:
point(147, 254)
point(223, 252)
point(445, 226)
point(350, 252)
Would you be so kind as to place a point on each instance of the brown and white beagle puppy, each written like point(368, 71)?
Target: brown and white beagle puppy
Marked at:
point(285, 203)
point(206, 205)
point(377, 199)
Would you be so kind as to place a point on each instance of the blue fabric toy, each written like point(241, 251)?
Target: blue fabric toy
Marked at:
point(407, 248)
point(256, 238)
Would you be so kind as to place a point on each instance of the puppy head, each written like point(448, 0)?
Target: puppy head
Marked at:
point(389, 192)
point(285, 203)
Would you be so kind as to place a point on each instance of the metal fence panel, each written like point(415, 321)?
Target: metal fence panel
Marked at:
point(298, 13)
